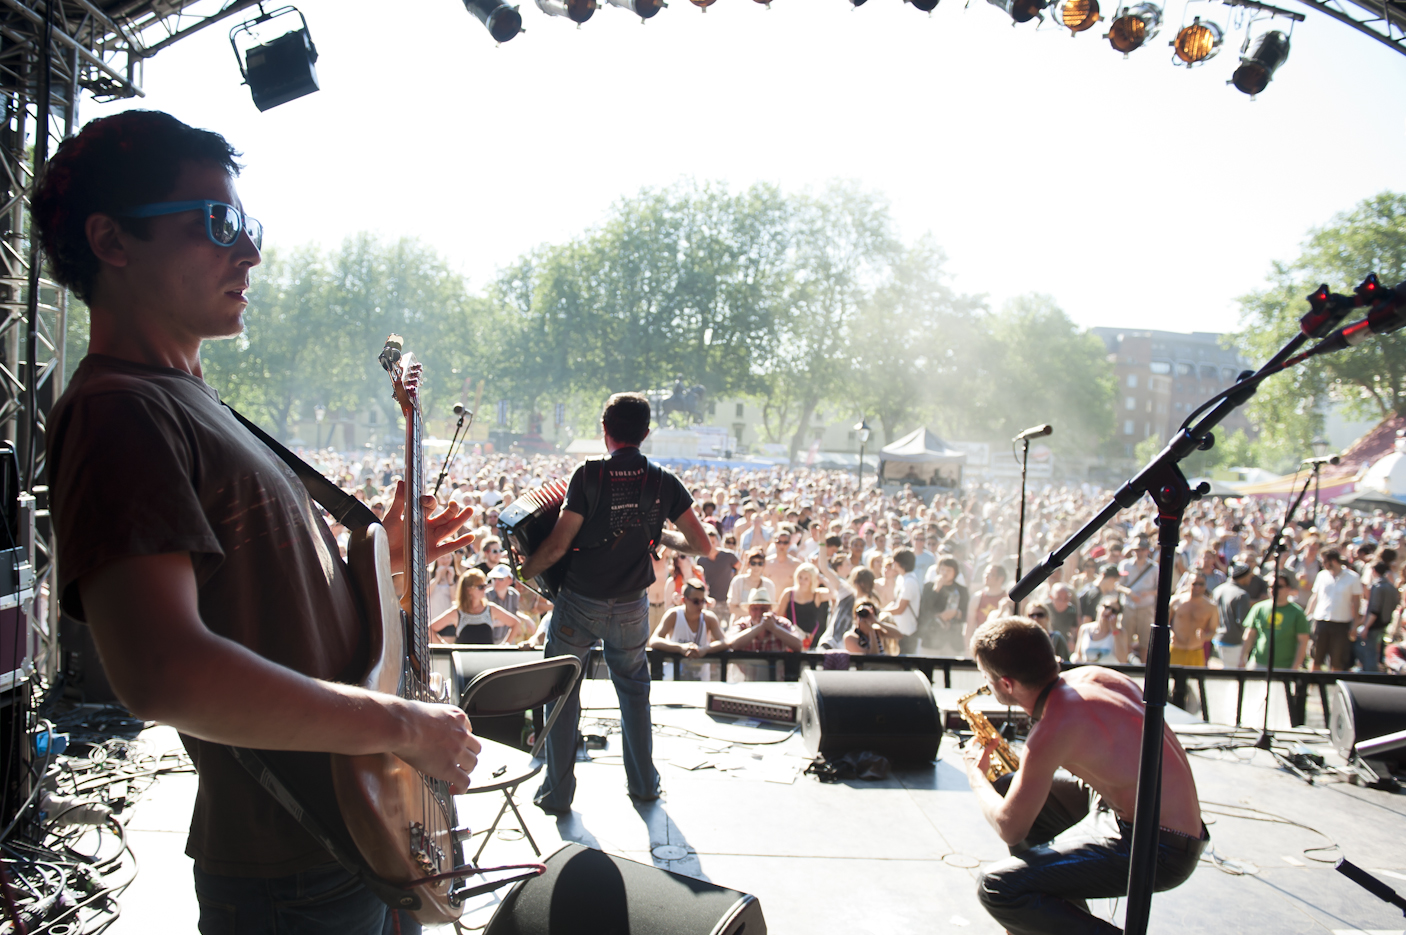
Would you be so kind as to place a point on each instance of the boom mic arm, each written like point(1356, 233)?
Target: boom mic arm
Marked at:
point(1035, 431)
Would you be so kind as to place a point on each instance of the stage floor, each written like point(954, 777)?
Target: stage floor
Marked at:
point(895, 856)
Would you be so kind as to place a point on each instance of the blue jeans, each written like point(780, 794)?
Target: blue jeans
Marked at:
point(577, 622)
point(1368, 651)
point(325, 900)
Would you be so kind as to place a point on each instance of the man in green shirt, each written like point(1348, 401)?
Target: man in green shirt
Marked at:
point(1291, 629)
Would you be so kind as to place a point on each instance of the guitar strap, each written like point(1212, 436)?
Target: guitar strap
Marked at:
point(302, 782)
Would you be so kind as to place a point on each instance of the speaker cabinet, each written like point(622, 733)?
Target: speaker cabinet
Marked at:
point(889, 713)
point(587, 892)
point(1360, 711)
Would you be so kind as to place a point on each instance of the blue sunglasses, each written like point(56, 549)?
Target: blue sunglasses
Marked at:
point(223, 223)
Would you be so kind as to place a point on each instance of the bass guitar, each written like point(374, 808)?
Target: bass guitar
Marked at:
point(403, 822)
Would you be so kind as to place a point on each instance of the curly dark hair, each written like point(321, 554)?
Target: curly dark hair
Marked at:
point(116, 163)
point(626, 417)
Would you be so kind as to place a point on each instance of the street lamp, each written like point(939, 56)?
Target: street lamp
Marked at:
point(861, 428)
point(319, 413)
point(1320, 446)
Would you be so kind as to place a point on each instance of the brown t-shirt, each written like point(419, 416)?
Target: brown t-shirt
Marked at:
point(146, 461)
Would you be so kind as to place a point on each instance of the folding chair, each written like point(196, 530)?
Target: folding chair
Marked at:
point(513, 690)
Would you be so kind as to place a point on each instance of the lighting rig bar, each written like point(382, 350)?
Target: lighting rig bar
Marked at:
point(1383, 20)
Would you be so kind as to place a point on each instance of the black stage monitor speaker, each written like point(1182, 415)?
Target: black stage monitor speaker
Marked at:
point(587, 892)
point(1360, 711)
point(889, 713)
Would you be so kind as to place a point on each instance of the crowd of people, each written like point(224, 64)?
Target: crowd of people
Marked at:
point(806, 560)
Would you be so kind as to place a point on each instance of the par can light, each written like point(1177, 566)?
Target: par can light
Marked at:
point(503, 22)
point(578, 11)
point(1020, 11)
point(1270, 51)
point(1076, 15)
point(1198, 42)
point(644, 9)
point(703, 4)
point(1133, 26)
point(927, 6)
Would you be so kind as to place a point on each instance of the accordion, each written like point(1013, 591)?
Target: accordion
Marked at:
point(526, 524)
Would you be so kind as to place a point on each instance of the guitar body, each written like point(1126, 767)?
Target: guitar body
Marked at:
point(403, 822)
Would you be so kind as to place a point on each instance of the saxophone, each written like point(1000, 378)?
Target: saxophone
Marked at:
point(1003, 759)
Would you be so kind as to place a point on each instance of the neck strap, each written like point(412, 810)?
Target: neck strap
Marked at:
point(1039, 710)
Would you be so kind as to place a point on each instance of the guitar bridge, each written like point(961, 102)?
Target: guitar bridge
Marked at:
point(427, 855)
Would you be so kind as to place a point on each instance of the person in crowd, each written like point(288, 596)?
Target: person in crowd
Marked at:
point(659, 590)
point(1093, 594)
point(760, 630)
point(214, 593)
point(754, 534)
point(923, 556)
point(992, 593)
point(1194, 618)
point(689, 629)
point(1381, 604)
point(442, 580)
point(1064, 612)
point(748, 581)
point(1334, 607)
point(719, 570)
point(806, 604)
point(502, 594)
point(1040, 613)
point(475, 619)
point(782, 564)
point(903, 608)
point(885, 576)
point(942, 611)
point(1103, 639)
point(1066, 814)
point(613, 517)
point(869, 634)
point(1233, 603)
point(490, 554)
point(1139, 576)
point(1291, 630)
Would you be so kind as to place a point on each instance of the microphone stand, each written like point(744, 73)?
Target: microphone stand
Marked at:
point(1162, 480)
point(1020, 531)
point(449, 455)
point(1276, 547)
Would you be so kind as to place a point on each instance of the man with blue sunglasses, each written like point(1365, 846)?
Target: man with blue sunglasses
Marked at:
point(215, 594)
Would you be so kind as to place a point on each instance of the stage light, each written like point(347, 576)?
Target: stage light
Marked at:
point(578, 11)
point(644, 9)
point(703, 4)
point(1198, 42)
point(280, 70)
point(1133, 26)
point(1256, 69)
point(1020, 11)
point(1076, 15)
point(854, 2)
point(503, 22)
point(927, 6)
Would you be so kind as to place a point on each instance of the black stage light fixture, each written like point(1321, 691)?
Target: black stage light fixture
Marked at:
point(1197, 43)
point(644, 9)
point(280, 70)
point(927, 6)
point(703, 4)
point(1020, 11)
point(857, 3)
point(503, 22)
point(1134, 26)
point(1270, 51)
point(1076, 15)
point(578, 11)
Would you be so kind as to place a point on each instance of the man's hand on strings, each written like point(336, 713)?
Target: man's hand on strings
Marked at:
point(440, 528)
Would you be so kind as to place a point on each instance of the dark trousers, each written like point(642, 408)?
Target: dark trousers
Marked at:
point(1078, 849)
point(326, 900)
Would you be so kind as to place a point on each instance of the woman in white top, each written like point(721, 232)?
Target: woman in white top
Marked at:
point(473, 616)
point(747, 582)
point(1103, 640)
point(688, 629)
point(442, 581)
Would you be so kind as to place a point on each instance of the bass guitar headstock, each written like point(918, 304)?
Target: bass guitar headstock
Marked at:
point(405, 372)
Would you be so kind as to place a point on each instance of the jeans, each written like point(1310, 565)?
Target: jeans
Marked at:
point(1043, 888)
point(1368, 651)
point(577, 622)
point(326, 900)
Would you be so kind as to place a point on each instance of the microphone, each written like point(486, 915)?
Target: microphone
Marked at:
point(1386, 316)
point(459, 410)
point(1035, 431)
point(1326, 459)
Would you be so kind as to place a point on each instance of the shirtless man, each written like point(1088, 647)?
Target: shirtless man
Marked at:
point(1194, 619)
point(1068, 784)
point(782, 565)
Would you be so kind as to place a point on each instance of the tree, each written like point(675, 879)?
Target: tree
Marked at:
point(1370, 379)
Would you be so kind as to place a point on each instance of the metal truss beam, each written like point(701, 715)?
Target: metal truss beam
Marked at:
point(1383, 20)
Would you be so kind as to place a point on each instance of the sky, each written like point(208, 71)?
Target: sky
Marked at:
point(1137, 194)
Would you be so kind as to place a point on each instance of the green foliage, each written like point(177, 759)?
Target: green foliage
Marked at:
point(1370, 379)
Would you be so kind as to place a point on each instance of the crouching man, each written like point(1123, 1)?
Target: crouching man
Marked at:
point(1067, 812)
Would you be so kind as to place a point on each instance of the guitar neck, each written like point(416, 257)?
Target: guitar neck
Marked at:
point(416, 546)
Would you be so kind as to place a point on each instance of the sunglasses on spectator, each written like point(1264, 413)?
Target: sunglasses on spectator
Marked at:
point(756, 563)
point(697, 601)
point(1110, 609)
point(1038, 615)
point(864, 613)
point(223, 222)
point(479, 587)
